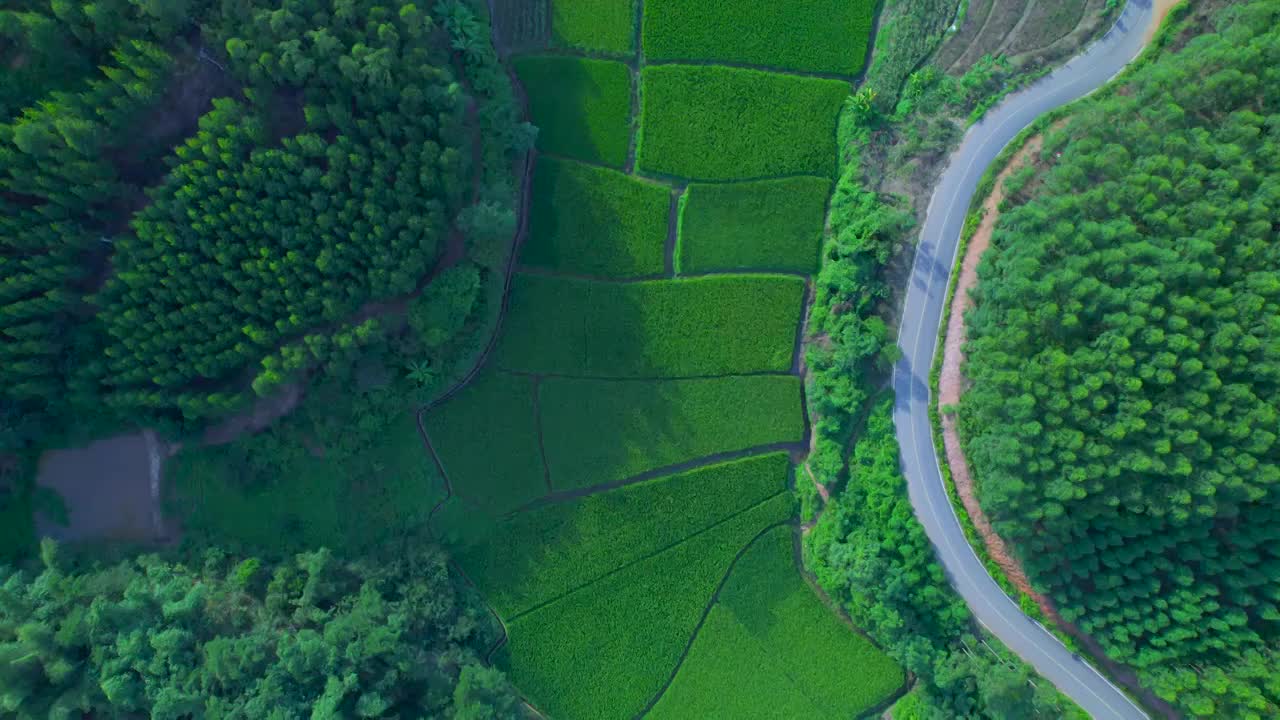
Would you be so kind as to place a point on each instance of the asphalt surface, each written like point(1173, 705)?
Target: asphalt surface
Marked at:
point(922, 313)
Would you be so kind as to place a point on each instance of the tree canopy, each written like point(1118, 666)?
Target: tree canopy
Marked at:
point(310, 637)
point(1125, 359)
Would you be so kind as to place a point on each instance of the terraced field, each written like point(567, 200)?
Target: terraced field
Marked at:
point(618, 475)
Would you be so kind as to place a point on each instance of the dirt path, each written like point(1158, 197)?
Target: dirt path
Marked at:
point(951, 383)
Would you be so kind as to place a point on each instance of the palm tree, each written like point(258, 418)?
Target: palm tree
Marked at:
point(421, 372)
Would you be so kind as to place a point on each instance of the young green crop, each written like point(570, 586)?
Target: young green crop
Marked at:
point(828, 36)
point(594, 221)
point(766, 612)
point(582, 107)
point(602, 431)
point(722, 123)
point(488, 442)
point(606, 648)
point(763, 225)
point(607, 26)
point(721, 325)
point(546, 552)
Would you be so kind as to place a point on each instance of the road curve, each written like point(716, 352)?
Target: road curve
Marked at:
point(918, 335)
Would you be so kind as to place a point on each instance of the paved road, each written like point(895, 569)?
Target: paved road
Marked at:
point(918, 339)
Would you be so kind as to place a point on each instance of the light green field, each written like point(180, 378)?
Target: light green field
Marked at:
point(592, 221)
point(827, 36)
point(606, 26)
point(721, 325)
point(770, 648)
point(602, 431)
point(762, 225)
point(582, 107)
point(708, 122)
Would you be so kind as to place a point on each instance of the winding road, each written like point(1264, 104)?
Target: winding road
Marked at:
point(918, 336)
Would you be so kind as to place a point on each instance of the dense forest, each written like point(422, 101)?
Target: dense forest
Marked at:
point(206, 199)
point(228, 637)
point(1125, 360)
point(201, 202)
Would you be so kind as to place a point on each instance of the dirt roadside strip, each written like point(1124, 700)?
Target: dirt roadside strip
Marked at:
point(951, 382)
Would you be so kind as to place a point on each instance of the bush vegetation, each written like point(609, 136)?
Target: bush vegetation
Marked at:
point(227, 636)
point(827, 36)
point(1126, 362)
point(605, 26)
point(763, 225)
point(721, 123)
point(273, 494)
point(540, 554)
point(722, 325)
point(582, 106)
point(633, 624)
point(602, 431)
point(770, 640)
point(593, 221)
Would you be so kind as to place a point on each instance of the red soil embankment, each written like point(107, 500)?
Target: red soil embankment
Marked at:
point(951, 384)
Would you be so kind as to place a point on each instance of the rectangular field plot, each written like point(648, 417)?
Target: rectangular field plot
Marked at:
point(487, 439)
point(537, 555)
point(769, 643)
point(827, 36)
point(593, 221)
point(605, 649)
point(719, 325)
point(761, 225)
point(602, 431)
point(721, 123)
point(607, 26)
point(357, 503)
point(582, 107)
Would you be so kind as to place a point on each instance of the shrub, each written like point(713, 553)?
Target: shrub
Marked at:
point(722, 325)
point(607, 26)
point(721, 123)
point(590, 220)
point(359, 503)
point(630, 627)
point(582, 107)
point(818, 35)
point(488, 442)
point(764, 225)
point(601, 431)
point(771, 636)
point(546, 552)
